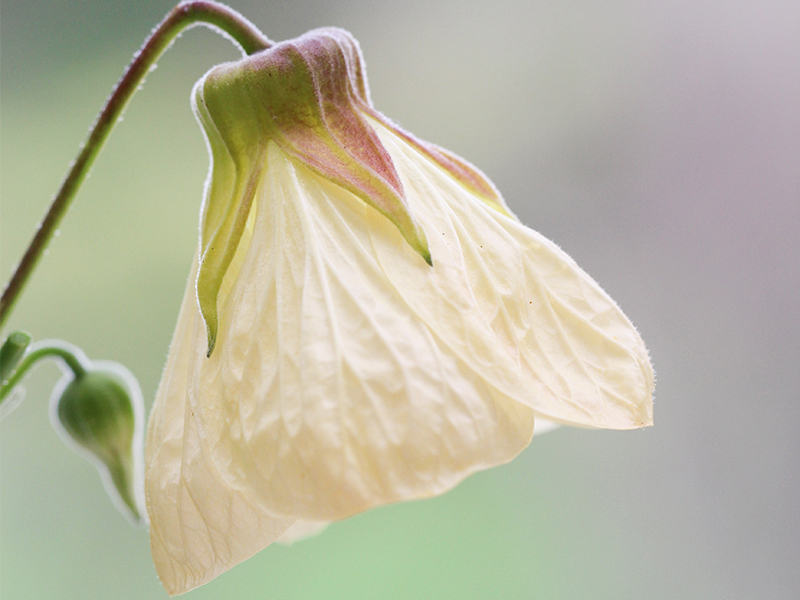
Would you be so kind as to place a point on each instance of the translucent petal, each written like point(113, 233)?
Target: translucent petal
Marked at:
point(302, 530)
point(541, 426)
point(513, 306)
point(349, 373)
point(326, 396)
point(199, 527)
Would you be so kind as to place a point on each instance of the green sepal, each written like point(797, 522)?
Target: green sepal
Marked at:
point(236, 169)
point(308, 96)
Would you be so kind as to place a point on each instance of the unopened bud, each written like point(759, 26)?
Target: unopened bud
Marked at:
point(101, 411)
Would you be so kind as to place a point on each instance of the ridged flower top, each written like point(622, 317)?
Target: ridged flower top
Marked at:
point(309, 96)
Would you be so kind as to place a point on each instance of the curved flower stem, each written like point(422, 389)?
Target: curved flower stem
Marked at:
point(72, 357)
point(184, 15)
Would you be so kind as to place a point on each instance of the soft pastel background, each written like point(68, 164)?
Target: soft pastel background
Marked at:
point(657, 142)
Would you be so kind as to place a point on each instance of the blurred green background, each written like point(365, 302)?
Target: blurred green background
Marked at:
point(657, 142)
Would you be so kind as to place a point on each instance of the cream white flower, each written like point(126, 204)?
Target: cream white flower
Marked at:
point(346, 371)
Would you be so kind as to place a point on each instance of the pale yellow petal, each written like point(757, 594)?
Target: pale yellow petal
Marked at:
point(326, 395)
point(541, 426)
point(302, 530)
point(513, 306)
point(199, 526)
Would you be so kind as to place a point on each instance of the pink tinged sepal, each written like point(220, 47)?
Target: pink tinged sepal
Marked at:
point(467, 174)
point(310, 97)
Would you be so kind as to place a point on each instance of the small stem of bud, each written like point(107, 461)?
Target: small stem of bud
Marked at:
point(72, 357)
point(184, 15)
point(13, 351)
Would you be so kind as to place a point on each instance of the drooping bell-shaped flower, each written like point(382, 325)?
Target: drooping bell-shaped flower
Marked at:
point(365, 322)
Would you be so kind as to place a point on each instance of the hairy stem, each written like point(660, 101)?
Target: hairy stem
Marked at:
point(184, 15)
point(72, 357)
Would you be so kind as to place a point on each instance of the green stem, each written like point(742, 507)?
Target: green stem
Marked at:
point(186, 14)
point(74, 360)
point(12, 351)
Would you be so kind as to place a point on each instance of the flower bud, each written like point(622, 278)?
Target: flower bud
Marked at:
point(101, 412)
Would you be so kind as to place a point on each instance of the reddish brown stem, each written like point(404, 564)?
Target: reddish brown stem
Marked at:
point(184, 15)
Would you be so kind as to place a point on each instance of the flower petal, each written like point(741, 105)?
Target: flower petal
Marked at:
point(302, 530)
point(326, 395)
point(514, 306)
point(199, 527)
